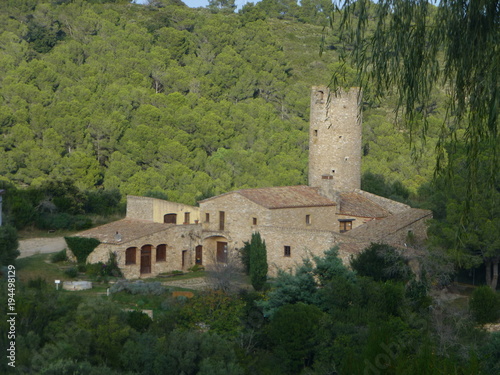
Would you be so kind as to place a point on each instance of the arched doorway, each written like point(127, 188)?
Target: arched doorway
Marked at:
point(146, 258)
point(199, 255)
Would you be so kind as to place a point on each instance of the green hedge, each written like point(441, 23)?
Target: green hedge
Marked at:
point(81, 247)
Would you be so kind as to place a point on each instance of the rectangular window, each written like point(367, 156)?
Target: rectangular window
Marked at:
point(254, 221)
point(308, 219)
point(288, 251)
point(222, 220)
point(207, 218)
point(186, 218)
point(345, 225)
point(161, 253)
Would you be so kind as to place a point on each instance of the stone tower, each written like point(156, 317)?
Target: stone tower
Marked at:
point(335, 140)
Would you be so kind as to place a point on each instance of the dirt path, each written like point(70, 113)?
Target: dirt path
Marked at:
point(34, 246)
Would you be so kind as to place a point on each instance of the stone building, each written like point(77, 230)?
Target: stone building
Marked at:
point(295, 221)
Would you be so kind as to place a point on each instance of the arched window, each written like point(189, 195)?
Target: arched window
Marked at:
point(161, 253)
point(130, 255)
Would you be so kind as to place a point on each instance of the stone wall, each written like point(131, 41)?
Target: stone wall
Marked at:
point(390, 205)
point(139, 208)
point(303, 244)
point(154, 209)
point(319, 218)
point(177, 238)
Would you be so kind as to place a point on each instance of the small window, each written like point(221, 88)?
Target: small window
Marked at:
point(288, 251)
point(207, 218)
point(161, 253)
point(130, 255)
point(315, 132)
point(333, 170)
point(345, 225)
point(186, 217)
point(308, 219)
point(254, 221)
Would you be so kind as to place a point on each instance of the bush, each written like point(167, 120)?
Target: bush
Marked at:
point(103, 202)
point(100, 269)
point(60, 256)
point(71, 272)
point(138, 320)
point(57, 221)
point(8, 245)
point(382, 263)
point(485, 305)
point(138, 287)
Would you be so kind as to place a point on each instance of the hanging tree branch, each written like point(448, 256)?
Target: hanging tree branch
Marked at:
point(417, 46)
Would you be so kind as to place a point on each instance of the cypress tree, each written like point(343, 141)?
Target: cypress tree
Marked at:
point(258, 262)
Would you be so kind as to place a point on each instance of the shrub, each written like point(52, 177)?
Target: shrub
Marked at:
point(71, 272)
point(60, 256)
point(485, 305)
point(81, 247)
point(382, 263)
point(138, 320)
point(8, 245)
point(63, 220)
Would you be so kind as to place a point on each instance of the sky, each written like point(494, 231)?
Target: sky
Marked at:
point(204, 3)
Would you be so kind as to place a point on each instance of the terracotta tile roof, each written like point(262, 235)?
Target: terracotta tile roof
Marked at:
point(377, 230)
point(286, 197)
point(128, 230)
point(354, 204)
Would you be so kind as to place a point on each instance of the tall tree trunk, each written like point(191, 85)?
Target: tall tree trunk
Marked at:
point(494, 279)
point(488, 272)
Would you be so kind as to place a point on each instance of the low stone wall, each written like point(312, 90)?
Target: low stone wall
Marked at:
point(77, 285)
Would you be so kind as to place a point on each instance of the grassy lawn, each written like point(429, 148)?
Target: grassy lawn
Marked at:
point(39, 266)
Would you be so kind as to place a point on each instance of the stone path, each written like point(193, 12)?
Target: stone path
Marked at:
point(34, 246)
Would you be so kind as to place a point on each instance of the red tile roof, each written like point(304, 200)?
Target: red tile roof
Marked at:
point(128, 229)
point(354, 204)
point(286, 197)
point(377, 230)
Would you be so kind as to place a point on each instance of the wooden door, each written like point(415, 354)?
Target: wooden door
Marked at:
point(146, 259)
point(199, 255)
point(221, 252)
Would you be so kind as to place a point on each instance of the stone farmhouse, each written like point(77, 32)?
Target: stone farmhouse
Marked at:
point(159, 236)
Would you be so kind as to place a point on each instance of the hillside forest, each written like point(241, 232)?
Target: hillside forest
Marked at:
point(100, 99)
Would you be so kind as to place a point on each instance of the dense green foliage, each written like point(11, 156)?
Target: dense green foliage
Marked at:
point(184, 102)
point(382, 263)
point(8, 245)
point(485, 305)
point(339, 322)
point(81, 247)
